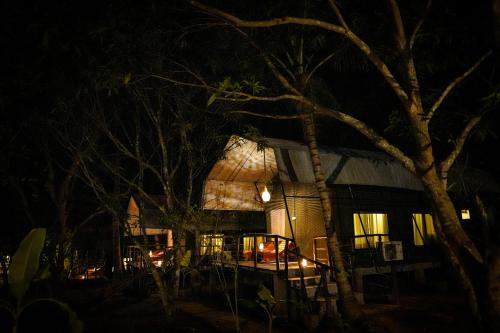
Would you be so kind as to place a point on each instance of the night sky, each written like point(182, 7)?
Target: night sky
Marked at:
point(52, 52)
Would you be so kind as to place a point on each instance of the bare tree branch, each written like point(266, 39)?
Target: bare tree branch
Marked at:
point(398, 25)
point(445, 165)
point(377, 140)
point(419, 24)
point(321, 63)
point(264, 115)
point(358, 42)
point(338, 13)
point(454, 83)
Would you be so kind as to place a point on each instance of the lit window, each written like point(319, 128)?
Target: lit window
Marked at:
point(423, 228)
point(369, 229)
point(248, 242)
point(211, 244)
point(465, 214)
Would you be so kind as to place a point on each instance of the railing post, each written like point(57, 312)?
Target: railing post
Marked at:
point(255, 251)
point(276, 253)
point(286, 259)
point(238, 251)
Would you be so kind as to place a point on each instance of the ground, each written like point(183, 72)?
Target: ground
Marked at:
point(104, 311)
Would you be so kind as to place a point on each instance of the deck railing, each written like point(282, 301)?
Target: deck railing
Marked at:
point(275, 252)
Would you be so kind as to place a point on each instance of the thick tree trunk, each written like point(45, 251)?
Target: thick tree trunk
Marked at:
point(349, 303)
point(491, 239)
point(450, 230)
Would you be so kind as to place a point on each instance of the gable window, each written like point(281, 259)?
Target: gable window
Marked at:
point(423, 228)
point(369, 229)
point(211, 244)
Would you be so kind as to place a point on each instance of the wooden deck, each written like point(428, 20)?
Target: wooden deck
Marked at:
point(267, 266)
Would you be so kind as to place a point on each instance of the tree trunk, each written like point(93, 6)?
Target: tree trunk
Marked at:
point(176, 261)
point(447, 224)
point(164, 295)
point(117, 255)
point(349, 303)
point(491, 239)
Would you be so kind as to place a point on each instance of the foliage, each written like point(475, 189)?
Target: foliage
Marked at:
point(39, 312)
point(25, 262)
point(264, 300)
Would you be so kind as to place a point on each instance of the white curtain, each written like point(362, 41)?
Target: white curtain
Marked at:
point(423, 226)
point(278, 222)
point(366, 225)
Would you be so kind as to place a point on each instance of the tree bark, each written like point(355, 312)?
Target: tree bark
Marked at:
point(447, 224)
point(164, 294)
point(491, 239)
point(117, 254)
point(349, 303)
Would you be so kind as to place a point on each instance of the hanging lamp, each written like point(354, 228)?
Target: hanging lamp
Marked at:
point(265, 195)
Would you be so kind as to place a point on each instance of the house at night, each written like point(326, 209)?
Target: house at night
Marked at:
point(380, 212)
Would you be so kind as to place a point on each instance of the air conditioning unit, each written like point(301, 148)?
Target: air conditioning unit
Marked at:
point(392, 251)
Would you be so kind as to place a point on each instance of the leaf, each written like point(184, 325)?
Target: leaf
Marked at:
point(186, 259)
point(211, 99)
point(265, 296)
point(25, 262)
point(126, 78)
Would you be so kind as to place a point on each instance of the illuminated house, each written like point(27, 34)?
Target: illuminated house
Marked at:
point(375, 201)
point(379, 209)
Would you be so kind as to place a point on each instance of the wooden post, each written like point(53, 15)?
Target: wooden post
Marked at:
point(395, 286)
point(287, 287)
point(255, 248)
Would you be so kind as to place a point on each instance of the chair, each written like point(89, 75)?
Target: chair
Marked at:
point(269, 252)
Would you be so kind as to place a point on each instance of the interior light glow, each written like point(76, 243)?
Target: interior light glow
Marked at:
point(465, 214)
point(294, 218)
point(261, 246)
point(303, 263)
point(266, 196)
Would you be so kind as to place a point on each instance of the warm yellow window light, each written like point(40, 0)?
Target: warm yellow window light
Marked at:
point(423, 228)
point(211, 244)
point(266, 196)
point(369, 229)
point(465, 214)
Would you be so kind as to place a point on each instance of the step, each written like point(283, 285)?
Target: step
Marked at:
point(332, 289)
point(308, 280)
point(295, 272)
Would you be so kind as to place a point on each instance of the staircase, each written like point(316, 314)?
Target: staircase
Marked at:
point(318, 290)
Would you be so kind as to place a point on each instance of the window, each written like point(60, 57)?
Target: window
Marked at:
point(369, 229)
point(465, 213)
point(211, 244)
point(423, 228)
point(248, 242)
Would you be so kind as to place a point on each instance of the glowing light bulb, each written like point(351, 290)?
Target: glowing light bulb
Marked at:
point(266, 196)
point(303, 263)
point(294, 218)
point(261, 246)
point(150, 253)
